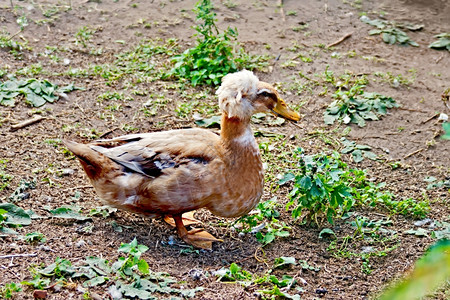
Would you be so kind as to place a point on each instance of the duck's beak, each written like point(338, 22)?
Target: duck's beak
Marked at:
point(282, 110)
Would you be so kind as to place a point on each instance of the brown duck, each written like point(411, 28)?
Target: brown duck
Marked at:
point(173, 172)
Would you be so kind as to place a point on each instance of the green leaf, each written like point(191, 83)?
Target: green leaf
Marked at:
point(370, 155)
point(282, 233)
point(143, 267)
point(357, 156)
point(326, 231)
point(375, 31)
point(5, 231)
point(417, 232)
point(130, 291)
point(95, 281)
point(15, 215)
point(283, 261)
point(305, 183)
point(209, 122)
point(363, 147)
point(329, 119)
point(234, 268)
point(347, 150)
point(286, 178)
point(65, 212)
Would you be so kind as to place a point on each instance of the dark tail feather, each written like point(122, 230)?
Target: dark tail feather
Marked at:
point(93, 162)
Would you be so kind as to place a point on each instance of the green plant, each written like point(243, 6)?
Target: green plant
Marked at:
point(264, 223)
point(214, 56)
point(320, 186)
point(443, 42)
point(407, 207)
point(391, 34)
point(129, 276)
point(12, 216)
point(354, 105)
point(83, 36)
point(37, 92)
point(5, 178)
point(359, 152)
point(7, 291)
point(233, 273)
point(324, 186)
point(35, 237)
point(20, 192)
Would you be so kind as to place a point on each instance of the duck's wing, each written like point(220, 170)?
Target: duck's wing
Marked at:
point(150, 153)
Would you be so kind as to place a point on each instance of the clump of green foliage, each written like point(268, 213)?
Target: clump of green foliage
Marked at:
point(12, 216)
point(320, 186)
point(7, 42)
point(391, 34)
point(214, 56)
point(264, 222)
point(36, 92)
point(127, 278)
point(353, 104)
point(325, 187)
point(358, 152)
point(7, 292)
point(442, 43)
point(274, 285)
point(5, 178)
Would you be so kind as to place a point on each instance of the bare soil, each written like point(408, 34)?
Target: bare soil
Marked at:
point(408, 135)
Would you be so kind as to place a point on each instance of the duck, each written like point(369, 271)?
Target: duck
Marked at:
point(170, 173)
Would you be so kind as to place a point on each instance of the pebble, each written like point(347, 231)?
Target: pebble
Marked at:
point(196, 274)
point(44, 248)
point(81, 289)
point(67, 171)
point(80, 243)
point(367, 249)
point(321, 291)
point(422, 222)
point(114, 292)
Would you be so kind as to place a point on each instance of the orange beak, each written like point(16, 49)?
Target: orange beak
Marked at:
point(282, 110)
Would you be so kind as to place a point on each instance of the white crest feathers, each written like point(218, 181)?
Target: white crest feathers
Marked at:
point(234, 90)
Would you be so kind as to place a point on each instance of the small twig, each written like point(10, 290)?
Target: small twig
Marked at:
point(412, 153)
point(340, 40)
point(411, 109)
point(108, 132)
point(79, 187)
point(18, 255)
point(430, 118)
point(27, 123)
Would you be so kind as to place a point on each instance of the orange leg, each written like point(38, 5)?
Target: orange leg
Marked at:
point(188, 219)
point(197, 237)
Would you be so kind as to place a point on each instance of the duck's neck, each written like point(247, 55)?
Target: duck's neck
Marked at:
point(237, 134)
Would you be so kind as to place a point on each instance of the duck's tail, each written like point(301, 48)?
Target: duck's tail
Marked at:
point(94, 163)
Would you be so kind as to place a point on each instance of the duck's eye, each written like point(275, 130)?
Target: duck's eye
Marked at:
point(265, 94)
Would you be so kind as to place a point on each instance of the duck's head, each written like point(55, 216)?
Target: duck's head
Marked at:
point(242, 94)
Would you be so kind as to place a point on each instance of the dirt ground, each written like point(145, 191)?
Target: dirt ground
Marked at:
point(408, 135)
